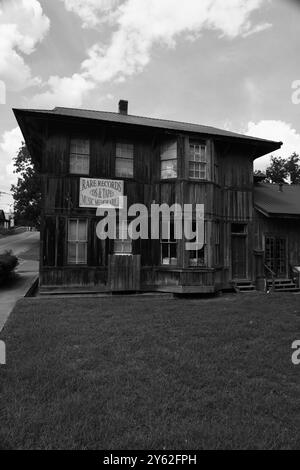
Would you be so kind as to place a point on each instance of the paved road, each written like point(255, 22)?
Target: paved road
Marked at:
point(27, 271)
point(20, 242)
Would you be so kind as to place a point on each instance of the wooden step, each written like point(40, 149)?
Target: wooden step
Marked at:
point(287, 289)
point(282, 285)
point(280, 281)
point(244, 286)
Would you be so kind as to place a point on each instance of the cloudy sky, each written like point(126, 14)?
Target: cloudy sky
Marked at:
point(225, 63)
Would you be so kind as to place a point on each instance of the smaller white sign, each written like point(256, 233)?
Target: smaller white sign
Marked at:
point(94, 192)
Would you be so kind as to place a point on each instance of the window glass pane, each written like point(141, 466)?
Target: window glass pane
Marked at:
point(203, 153)
point(169, 169)
point(238, 228)
point(165, 253)
point(168, 150)
point(82, 230)
point(81, 253)
point(72, 230)
point(124, 150)
point(122, 246)
point(81, 146)
point(72, 253)
point(124, 167)
point(79, 164)
point(173, 250)
point(197, 258)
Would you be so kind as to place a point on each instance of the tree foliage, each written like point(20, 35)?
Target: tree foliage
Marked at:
point(283, 170)
point(27, 191)
point(293, 168)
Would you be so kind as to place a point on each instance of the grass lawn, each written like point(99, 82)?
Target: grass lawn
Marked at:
point(149, 373)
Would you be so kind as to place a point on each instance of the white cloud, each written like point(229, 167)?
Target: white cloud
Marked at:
point(92, 12)
point(258, 29)
point(22, 26)
point(278, 131)
point(9, 145)
point(143, 24)
point(63, 91)
point(139, 25)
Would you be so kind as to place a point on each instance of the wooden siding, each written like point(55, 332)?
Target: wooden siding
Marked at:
point(124, 272)
point(227, 199)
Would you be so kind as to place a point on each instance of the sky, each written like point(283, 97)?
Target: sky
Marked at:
point(232, 64)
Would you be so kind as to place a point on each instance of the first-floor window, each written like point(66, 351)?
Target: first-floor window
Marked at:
point(168, 246)
point(122, 245)
point(77, 241)
point(197, 257)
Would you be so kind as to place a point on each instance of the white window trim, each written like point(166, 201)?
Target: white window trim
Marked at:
point(198, 163)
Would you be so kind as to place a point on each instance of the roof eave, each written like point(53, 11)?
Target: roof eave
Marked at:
point(262, 146)
point(276, 215)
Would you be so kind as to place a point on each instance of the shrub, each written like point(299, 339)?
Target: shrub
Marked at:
point(8, 262)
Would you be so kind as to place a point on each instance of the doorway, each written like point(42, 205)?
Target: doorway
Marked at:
point(276, 255)
point(239, 251)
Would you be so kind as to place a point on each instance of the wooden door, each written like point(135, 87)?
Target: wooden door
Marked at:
point(276, 255)
point(239, 257)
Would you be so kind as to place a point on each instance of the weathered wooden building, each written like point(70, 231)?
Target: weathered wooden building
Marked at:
point(277, 235)
point(148, 160)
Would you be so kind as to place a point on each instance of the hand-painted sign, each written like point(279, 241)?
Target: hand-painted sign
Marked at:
point(104, 193)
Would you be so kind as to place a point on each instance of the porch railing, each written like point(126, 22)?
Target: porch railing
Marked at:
point(273, 277)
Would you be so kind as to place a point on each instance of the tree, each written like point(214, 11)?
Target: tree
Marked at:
point(293, 168)
point(276, 171)
point(27, 191)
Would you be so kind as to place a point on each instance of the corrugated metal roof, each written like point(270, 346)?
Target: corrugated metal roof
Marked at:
point(145, 121)
point(271, 201)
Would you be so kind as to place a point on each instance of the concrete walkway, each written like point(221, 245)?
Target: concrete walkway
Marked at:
point(27, 274)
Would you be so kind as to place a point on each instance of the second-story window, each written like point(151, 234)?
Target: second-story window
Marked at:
point(168, 160)
point(80, 156)
point(198, 161)
point(124, 160)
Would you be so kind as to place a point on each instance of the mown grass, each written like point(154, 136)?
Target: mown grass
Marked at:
point(149, 373)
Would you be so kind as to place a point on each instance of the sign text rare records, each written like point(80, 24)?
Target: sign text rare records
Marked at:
point(105, 193)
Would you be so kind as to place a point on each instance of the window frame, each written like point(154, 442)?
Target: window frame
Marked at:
point(73, 154)
point(197, 162)
point(204, 249)
point(77, 241)
point(166, 156)
point(119, 144)
point(171, 241)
